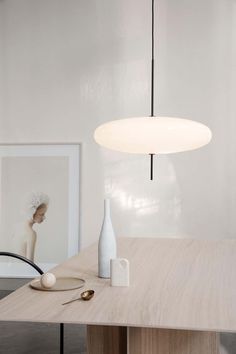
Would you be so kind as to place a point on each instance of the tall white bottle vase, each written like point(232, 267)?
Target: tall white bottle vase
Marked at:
point(106, 244)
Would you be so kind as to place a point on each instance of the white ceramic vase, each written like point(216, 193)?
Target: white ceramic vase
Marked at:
point(106, 244)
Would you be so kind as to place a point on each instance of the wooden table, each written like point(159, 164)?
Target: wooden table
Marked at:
point(182, 293)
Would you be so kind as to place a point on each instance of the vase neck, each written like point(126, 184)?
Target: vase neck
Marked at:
point(107, 207)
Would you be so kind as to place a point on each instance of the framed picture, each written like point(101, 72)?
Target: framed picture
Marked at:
point(39, 205)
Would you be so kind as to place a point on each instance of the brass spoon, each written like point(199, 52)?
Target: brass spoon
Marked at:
point(85, 296)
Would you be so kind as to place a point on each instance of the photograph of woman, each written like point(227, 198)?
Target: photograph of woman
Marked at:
point(24, 239)
point(46, 234)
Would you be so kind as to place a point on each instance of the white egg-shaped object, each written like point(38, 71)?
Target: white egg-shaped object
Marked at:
point(48, 280)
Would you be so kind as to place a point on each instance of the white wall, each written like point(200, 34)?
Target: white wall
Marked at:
point(68, 66)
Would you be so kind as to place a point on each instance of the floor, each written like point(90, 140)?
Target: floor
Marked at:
point(37, 338)
point(40, 338)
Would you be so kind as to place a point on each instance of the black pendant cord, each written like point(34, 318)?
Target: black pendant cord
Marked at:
point(151, 166)
point(152, 64)
point(152, 86)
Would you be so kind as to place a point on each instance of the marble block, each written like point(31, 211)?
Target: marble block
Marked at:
point(119, 272)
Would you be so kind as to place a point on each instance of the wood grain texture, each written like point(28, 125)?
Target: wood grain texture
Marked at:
point(174, 283)
point(163, 341)
point(106, 340)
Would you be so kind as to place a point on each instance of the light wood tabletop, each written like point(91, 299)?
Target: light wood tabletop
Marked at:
point(174, 283)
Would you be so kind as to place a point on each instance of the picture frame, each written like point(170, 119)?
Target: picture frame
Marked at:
point(29, 173)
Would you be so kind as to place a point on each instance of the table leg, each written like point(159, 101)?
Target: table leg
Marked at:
point(164, 341)
point(61, 338)
point(106, 340)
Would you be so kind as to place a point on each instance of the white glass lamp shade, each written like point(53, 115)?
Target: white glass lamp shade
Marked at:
point(152, 135)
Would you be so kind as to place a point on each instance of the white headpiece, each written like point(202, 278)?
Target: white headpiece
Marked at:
point(33, 201)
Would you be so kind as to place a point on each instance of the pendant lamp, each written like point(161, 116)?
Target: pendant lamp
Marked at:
point(152, 135)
